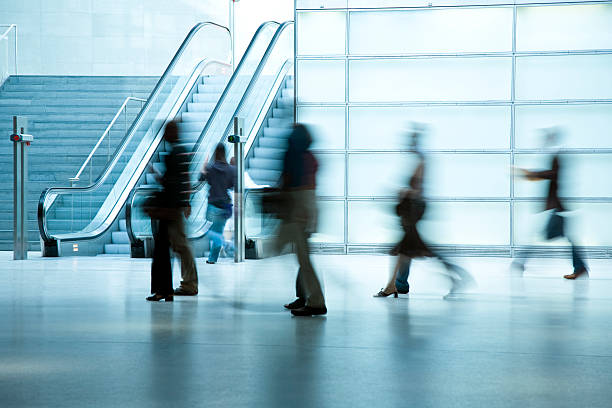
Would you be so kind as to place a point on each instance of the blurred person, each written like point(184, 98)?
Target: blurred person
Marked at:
point(556, 225)
point(299, 218)
point(221, 177)
point(411, 208)
point(169, 210)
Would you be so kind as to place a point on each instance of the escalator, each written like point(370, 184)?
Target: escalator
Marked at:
point(85, 219)
point(266, 103)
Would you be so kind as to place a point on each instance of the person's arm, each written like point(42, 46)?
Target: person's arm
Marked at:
point(542, 174)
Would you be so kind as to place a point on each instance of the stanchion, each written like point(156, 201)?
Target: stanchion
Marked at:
point(21, 141)
point(238, 139)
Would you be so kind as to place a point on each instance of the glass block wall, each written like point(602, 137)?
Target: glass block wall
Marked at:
point(485, 79)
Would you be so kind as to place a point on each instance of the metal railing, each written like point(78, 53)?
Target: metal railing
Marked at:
point(158, 109)
point(5, 64)
point(200, 230)
point(89, 160)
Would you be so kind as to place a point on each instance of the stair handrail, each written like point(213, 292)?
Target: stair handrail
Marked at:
point(2, 37)
point(123, 107)
point(46, 198)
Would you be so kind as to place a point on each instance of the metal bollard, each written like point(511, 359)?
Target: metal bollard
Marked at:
point(21, 141)
point(238, 139)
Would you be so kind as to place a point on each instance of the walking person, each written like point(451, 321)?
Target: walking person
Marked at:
point(168, 211)
point(175, 195)
point(221, 177)
point(298, 222)
point(556, 226)
point(411, 209)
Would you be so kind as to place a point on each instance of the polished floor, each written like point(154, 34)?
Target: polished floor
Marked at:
point(77, 332)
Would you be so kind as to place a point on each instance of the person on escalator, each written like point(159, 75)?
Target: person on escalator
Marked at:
point(169, 209)
point(221, 178)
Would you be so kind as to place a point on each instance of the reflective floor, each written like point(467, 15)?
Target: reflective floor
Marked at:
point(77, 332)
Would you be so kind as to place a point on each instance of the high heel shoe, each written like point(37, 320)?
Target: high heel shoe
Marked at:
point(156, 298)
point(382, 293)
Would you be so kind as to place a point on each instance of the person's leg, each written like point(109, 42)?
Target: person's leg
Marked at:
point(401, 281)
point(580, 268)
point(180, 245)
point(307, 275)
point(391, 288)
point(215, 235)
point(161, 266)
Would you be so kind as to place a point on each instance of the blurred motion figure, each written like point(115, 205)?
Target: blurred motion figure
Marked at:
point(221, 177)
point(299, 218)
point(169, 208)
point(556, 226)
point(410, 209)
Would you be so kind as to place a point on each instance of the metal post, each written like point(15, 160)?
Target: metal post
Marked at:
point(238, 139)
point(20, 178)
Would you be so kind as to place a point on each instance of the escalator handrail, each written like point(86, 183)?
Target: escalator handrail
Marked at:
point(42, 213)
point(202, 230)
point(111, 164)
point(233, 79)
point(247, 92)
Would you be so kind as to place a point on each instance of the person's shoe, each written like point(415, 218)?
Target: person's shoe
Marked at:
point(581, 273)
point(184, 292)
point(156, 298)
point(382, 293)
point(210, 262)
point(296, 304)
point(309, 311)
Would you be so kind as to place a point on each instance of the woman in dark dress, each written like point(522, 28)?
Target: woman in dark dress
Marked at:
point(410, 210)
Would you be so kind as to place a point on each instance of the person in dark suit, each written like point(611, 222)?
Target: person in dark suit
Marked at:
point(172, 206)
point(556, 226)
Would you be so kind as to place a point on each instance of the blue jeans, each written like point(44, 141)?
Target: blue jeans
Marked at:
point(401, 281)
point(218, 217)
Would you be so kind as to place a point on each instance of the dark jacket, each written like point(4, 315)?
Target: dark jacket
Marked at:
point(175, 181)
point(299, 164)
point(220, 177)
point(552, 200)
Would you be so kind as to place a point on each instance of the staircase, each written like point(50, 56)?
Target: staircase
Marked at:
point(191, 123)
point(67, 115)
point(266, 161)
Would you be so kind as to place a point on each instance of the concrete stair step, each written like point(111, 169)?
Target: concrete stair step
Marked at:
point(273, 142)
point(206, 97)
point(281, 133)
point(282, 113)
point(85, 80)
point(195, 116)
point(269, 152)
point(279, 122)
point(285, 102)
point(264, 176)
point(117, 249)
point(120, 237)
point(269, 164)
point(201, 107)
point(87, 94)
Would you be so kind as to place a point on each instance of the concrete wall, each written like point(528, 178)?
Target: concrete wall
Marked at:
point(104, 37)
